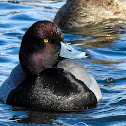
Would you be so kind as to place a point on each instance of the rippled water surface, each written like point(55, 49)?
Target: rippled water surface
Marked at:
point(106, 44)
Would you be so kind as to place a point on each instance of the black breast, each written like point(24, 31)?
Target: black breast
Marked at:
point(52, 89)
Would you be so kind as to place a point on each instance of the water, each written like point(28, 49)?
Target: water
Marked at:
point(105, 43)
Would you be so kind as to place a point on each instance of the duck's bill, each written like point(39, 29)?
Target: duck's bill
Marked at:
point(68, 51)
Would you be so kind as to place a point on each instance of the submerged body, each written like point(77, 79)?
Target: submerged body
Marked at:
point(78, 13)
point(44, 80)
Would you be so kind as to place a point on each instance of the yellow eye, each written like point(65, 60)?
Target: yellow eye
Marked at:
point(45, 40)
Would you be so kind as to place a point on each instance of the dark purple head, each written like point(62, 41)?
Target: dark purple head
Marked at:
point(40, 47)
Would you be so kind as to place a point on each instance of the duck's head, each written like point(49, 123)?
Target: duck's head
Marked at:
point(41, 47)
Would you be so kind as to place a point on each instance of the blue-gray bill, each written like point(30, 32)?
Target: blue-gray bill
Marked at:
point(68, 51)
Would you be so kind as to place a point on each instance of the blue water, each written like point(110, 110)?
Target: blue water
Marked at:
point(106, 46)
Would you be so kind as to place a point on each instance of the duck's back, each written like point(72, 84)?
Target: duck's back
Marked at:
point(53, 89)
point(78, 13)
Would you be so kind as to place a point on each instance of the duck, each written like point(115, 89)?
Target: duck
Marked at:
point(46, 77)
point(80, 13)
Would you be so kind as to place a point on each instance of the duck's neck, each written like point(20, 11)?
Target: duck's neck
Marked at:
point(44, 59)
point(37, 61)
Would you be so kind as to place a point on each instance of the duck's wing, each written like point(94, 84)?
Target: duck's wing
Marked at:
point(16, 76)
point(78, 70)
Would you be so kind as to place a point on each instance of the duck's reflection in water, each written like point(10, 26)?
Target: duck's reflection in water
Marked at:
point(97, 35)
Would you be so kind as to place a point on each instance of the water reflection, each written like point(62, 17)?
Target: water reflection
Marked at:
point(39, 117)
point(98, 35)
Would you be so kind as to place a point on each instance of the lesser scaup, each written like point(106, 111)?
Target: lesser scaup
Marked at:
point(49, 81)
point(78, 13)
